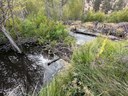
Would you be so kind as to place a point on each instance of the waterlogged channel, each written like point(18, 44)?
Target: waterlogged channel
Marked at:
point(21, 74)
point(81, 39)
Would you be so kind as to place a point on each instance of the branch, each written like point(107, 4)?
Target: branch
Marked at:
point(6, 33)
point(49, 63)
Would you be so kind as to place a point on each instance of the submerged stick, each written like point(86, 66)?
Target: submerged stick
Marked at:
point(49, 63)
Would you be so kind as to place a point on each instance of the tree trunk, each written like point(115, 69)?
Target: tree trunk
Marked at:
point(6, 33)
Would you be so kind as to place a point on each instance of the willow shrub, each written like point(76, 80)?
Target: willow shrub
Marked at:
point(106, 74)
point(40, 27)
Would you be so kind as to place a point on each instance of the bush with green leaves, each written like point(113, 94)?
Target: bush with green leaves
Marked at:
point(41, 27)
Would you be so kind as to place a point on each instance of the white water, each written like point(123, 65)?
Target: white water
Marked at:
point(49, 71)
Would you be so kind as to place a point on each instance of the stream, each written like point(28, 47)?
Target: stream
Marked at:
point(27, 73)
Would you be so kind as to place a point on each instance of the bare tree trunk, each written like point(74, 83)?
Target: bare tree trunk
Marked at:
point(6, 33)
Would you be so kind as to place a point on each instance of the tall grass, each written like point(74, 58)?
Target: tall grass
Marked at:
point(107, 74)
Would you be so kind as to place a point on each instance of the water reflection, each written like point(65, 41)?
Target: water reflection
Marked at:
point(81, 39)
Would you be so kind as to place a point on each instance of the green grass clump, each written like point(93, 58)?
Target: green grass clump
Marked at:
point(106, 74)
point(44, 29)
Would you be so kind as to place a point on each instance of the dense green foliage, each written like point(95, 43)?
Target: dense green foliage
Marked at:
point(40, 27)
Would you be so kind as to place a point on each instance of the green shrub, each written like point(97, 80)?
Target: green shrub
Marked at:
point(94, 16)
point(107, 74)
point(118, 16)
point(40, 27)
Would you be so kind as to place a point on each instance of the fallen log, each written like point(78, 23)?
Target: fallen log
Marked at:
point(6, 33)
point(84, 32)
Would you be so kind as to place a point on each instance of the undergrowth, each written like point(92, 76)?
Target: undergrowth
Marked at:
point(97, 71)
point(114, 17)
point(39, 27)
